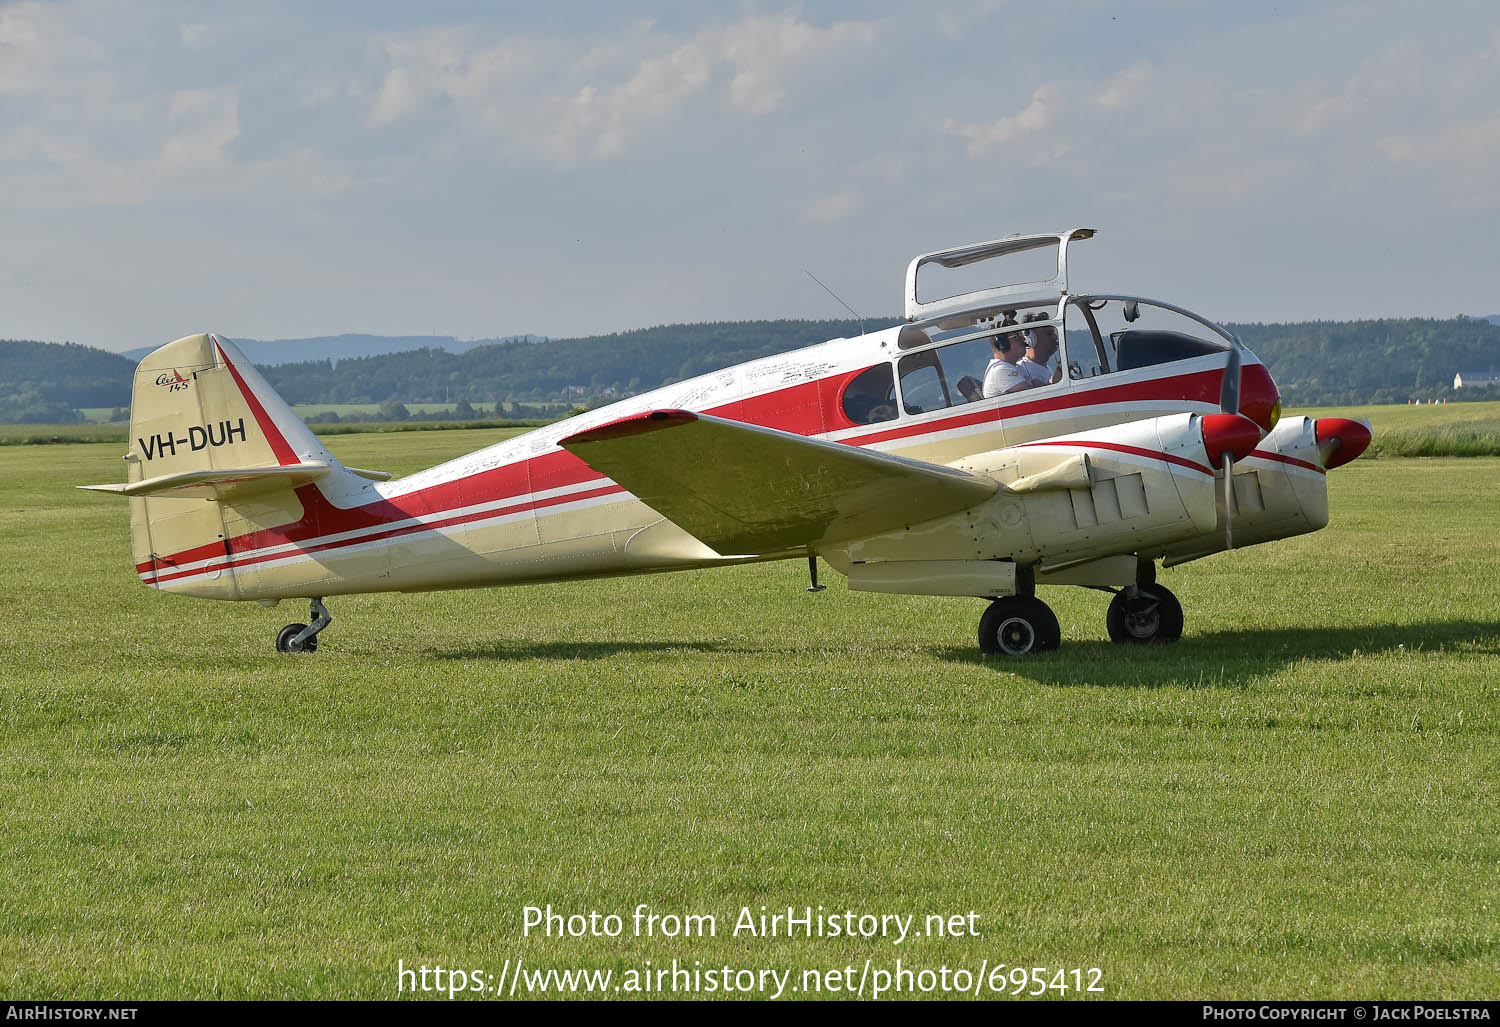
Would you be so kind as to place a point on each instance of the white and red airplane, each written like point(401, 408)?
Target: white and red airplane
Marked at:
point(908, 459)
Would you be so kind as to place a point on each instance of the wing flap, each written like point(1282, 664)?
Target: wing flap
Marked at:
point(744, 489)
point(222, 484)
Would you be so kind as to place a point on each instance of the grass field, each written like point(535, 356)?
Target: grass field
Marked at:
point(1447, 429)
point(1300, 799)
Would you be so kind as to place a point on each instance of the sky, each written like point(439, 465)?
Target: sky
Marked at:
point(285, 170)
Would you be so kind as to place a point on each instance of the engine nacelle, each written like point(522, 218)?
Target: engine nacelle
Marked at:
point(1063, 503)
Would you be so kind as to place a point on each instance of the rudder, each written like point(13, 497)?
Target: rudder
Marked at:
point(199, 407)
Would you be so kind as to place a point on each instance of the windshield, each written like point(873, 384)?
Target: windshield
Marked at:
point(1104, 336)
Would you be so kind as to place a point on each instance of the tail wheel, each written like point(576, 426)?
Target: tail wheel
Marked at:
point(1152, 614)
point(1017, 625)
point(291, 631)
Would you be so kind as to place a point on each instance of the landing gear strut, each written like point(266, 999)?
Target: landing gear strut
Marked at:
point(303, 638)
point(1144, 613)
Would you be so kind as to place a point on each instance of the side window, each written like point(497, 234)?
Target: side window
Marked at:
point(1127, 334)
point(871, 397)
point(1085, 353)
point(923, 384)
point(953, 375)
point(964, 364)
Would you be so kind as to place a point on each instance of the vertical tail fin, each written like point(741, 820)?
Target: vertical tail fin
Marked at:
point(198, 404)
point(214, 454)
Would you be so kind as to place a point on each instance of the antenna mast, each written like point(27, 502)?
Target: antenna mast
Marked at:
point(841, 302)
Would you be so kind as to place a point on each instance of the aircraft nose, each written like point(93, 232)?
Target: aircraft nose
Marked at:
point(1234, 434)
point(1260, 400)
point(1340, 440)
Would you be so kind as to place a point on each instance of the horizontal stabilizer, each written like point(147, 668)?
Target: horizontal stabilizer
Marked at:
point(744, 489)
point(220, 484)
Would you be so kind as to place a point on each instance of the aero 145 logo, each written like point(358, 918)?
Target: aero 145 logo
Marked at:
point(174, 382)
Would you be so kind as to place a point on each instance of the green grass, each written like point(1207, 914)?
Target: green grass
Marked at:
point(1446, 429)
point(1298, 800)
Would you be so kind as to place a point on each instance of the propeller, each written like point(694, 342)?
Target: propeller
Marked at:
point(1229, 403)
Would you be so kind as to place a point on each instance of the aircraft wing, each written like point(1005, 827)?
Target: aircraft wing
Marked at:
point(744, 489)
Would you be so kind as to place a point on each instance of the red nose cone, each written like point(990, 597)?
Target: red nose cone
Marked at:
point(1229, 433)
point(1259, 397)
point(1340, 440)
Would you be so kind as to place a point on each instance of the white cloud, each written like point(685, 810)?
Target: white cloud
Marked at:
point(767, 54)
point(1127, 89)
point(40, 51)
point(540, 98)
point(955, 21)
point(198, 36)
point(1464, 158)
point(1035, 117)
point(203, 123)
point(833, 208)
point(430, 64)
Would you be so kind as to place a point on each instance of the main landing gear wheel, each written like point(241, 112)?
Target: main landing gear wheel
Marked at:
point(1016, 625)
point(1147, 613)
point(303, 638)
point(286, 640)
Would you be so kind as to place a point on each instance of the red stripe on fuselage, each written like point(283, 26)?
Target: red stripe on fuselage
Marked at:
point(802, 409)
point(1118, 447)
point(1283, 458)
point(408, 529)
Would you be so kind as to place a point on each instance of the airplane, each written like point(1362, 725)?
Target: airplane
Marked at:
point(1147, 434)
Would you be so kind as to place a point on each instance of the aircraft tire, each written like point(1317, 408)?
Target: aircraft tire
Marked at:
point(1153, 615)
point(1018, 625)
point(284, 640)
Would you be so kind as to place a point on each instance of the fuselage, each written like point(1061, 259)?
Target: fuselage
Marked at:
point(525, 510)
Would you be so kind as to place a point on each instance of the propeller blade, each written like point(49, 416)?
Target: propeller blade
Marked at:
point(1228, 500)
point(1229, 390)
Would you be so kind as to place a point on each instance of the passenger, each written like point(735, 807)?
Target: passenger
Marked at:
point(1002, 375)
point(1039, 353)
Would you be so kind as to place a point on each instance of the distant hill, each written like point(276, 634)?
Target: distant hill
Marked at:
point(45, 382)
point(348, 346)
point(1315, 363)
point(587, 369)
point(1331, 363)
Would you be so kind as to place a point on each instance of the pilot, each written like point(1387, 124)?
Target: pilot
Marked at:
point(1002, 375)
point(1041, 348)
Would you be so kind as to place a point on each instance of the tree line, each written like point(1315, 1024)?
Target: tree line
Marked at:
point(1315, 363)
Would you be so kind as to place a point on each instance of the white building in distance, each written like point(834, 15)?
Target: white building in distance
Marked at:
point(1473, 378)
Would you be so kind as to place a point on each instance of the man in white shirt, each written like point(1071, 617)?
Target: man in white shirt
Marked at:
point(1041, 348)
point(1003, 375)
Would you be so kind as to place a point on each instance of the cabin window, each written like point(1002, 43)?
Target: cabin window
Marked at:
point(871, 396)
point(953, 375)
point(1123, 335)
